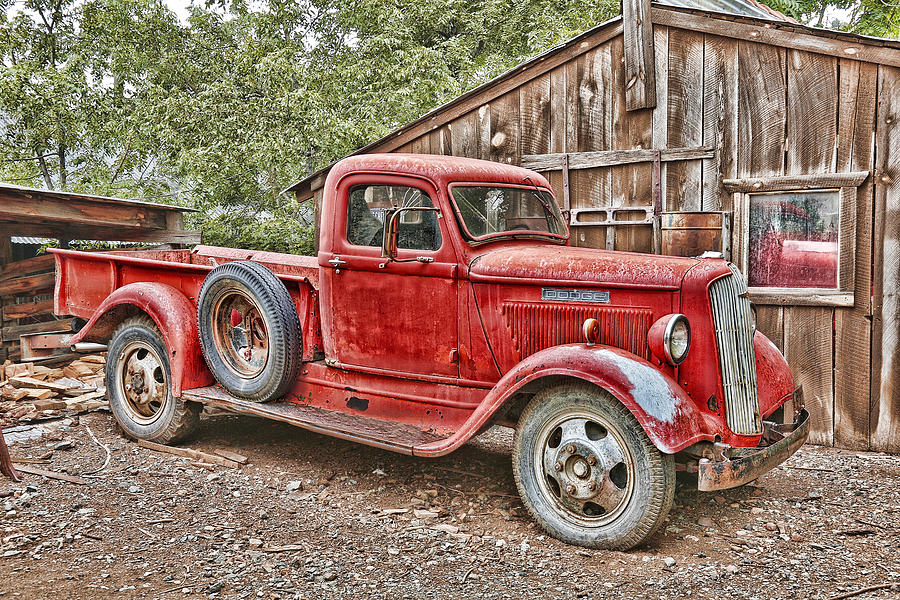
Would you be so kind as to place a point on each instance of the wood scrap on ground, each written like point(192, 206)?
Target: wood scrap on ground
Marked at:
point(31, 392)
point(238, 458)
point(188, 453)
point(51, 474)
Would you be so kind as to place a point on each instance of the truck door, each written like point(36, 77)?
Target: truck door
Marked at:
point(397, 316)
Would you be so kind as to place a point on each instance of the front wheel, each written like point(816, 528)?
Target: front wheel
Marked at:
point(586, 470)
point(138, 383)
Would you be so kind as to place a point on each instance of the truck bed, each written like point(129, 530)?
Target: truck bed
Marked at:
point(84, 280)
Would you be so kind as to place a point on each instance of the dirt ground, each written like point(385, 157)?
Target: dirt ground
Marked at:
point(315, 517)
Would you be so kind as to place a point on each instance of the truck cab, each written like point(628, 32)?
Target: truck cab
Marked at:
point(446, 297)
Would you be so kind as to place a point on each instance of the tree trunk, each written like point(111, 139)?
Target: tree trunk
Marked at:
point(62, 166)
point(44, 171)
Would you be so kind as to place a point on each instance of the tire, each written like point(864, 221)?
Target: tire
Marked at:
point(138, 383)
point(249, 331)
point(579, 435)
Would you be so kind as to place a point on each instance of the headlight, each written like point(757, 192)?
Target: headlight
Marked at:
point(670, 338)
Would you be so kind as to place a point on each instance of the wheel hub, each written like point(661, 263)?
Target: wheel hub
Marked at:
point(143, 382)
point(240, 334)
point(580, 468)
point(585, 467)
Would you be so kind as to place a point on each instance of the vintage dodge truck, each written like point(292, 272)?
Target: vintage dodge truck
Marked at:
point(446, 298)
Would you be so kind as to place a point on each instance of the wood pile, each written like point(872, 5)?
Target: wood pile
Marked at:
point(34, 392)
point(26, 302)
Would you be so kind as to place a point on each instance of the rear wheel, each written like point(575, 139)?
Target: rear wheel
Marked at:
point(249, 331)
point(587, 472)
point(138, 383)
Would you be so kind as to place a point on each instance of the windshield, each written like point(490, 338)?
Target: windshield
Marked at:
point(492, 211)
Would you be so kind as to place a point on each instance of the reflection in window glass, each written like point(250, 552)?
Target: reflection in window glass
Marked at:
point(794, 239)
point(368, 205)
point(491, 210)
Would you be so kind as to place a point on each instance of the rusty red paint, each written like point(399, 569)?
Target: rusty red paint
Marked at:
point(441, 346)
point(175, 316)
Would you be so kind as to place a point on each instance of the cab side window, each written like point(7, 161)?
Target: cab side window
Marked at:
point(368, 205)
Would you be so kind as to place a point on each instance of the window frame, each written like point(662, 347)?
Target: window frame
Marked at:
point(352, 185)
point(847, 185)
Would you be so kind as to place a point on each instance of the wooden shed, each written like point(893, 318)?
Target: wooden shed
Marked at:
point(26, 280)
point(678, 130)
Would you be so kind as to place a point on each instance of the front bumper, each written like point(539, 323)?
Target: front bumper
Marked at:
point(745, 465)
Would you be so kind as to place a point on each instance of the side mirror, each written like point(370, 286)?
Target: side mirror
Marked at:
point(391, 228)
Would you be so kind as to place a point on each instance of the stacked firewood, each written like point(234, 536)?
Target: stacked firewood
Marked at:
point(33, 392)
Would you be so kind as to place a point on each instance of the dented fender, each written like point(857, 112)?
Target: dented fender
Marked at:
point(667, 414)
point(174, 315)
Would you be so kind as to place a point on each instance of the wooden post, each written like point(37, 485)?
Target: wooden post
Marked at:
point(640, 63)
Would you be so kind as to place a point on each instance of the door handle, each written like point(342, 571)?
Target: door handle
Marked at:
point(336, 262)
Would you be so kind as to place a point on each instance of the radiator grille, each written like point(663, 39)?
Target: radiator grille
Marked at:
point(737, 360)
point(538, 325)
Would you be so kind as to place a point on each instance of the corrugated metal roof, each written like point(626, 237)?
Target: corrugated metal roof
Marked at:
point(746, 8)
point(29, 240)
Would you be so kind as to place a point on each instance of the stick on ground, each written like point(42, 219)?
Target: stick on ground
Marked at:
point(188, 453)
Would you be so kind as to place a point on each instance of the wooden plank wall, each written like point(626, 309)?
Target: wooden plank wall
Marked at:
point(769, 111)
point(884, 423)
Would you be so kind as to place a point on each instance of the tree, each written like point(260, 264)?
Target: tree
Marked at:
point(868, 17)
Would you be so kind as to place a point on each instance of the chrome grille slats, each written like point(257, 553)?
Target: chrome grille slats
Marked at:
point(538, 325)
point(737, 359)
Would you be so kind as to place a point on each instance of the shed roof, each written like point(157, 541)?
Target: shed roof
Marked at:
point(31, 212)
point(764, 29)
point(38, 194)
point(746, 8)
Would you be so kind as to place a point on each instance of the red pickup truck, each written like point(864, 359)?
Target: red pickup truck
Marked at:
point(446, 298)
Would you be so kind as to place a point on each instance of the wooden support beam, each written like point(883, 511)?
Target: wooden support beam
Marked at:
point(44, 262)
point(27, 309)
point(30, 284)
point(28, 207)
point(780, 35)
point(784, 183)
point(12, 333)
point(103, 233)
point(611, 158)
point(640, 63)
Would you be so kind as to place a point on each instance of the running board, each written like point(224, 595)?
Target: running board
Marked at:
point(388, 435)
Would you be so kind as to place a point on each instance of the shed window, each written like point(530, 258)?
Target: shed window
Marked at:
point(794, 239)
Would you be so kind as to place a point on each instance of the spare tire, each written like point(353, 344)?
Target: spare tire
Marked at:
point(249, 331)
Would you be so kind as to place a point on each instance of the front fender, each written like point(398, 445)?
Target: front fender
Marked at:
point(773, 375)
point(176, 319)
point(667, 414)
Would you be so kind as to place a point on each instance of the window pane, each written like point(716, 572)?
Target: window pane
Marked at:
point(492, 210)
point(368, 206)
point(794, 239)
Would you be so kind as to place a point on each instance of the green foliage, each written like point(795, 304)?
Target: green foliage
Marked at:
point(275, 233)
point(869, 17)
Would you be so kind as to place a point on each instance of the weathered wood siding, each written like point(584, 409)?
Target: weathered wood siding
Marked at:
point(768, 110)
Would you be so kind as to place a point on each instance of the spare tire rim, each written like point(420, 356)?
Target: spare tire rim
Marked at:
point(240, 333)
point(142, 381)
point(584, 468)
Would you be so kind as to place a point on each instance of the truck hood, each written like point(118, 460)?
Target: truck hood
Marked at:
point(551, 263)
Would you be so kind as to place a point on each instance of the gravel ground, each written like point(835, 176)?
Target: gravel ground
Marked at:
point(315, 517)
